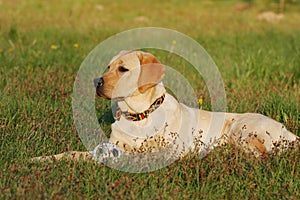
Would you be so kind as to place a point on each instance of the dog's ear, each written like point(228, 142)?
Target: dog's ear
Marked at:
point(152, 71)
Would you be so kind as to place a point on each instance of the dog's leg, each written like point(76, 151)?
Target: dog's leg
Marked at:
point(261, 134)
point(70, 155)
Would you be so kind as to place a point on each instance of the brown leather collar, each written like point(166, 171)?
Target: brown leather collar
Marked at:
point(142, 115)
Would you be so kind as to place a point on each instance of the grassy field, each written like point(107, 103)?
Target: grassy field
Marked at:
point(42, 44)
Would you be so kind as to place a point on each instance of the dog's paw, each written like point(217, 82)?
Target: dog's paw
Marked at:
point(104, 152)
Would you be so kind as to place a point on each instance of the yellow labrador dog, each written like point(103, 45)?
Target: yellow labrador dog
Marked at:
point(149, 119)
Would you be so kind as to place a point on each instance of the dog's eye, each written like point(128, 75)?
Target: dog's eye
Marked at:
point(122, 69)
point(107, 68)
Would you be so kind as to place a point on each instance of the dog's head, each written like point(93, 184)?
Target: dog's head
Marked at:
point(128, 73)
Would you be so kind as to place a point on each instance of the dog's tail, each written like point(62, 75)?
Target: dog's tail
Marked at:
point(70, 155)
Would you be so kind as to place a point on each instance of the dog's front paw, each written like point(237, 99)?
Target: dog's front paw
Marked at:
point(106, 151)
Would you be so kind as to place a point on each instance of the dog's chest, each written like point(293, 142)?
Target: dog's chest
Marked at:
point(152, 134)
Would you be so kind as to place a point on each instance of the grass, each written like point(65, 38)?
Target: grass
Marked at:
point(259, 63)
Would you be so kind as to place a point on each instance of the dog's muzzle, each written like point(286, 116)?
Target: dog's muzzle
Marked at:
point(98, 82)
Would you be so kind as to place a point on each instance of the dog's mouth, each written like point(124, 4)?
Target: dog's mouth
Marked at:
point(119, 98)
point(105, 92)
point(100, 89)
point(104, 96)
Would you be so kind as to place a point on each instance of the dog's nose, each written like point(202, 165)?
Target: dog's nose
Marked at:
point(98, 82)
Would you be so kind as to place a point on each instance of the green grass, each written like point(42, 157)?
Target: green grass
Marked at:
point(259, 63)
